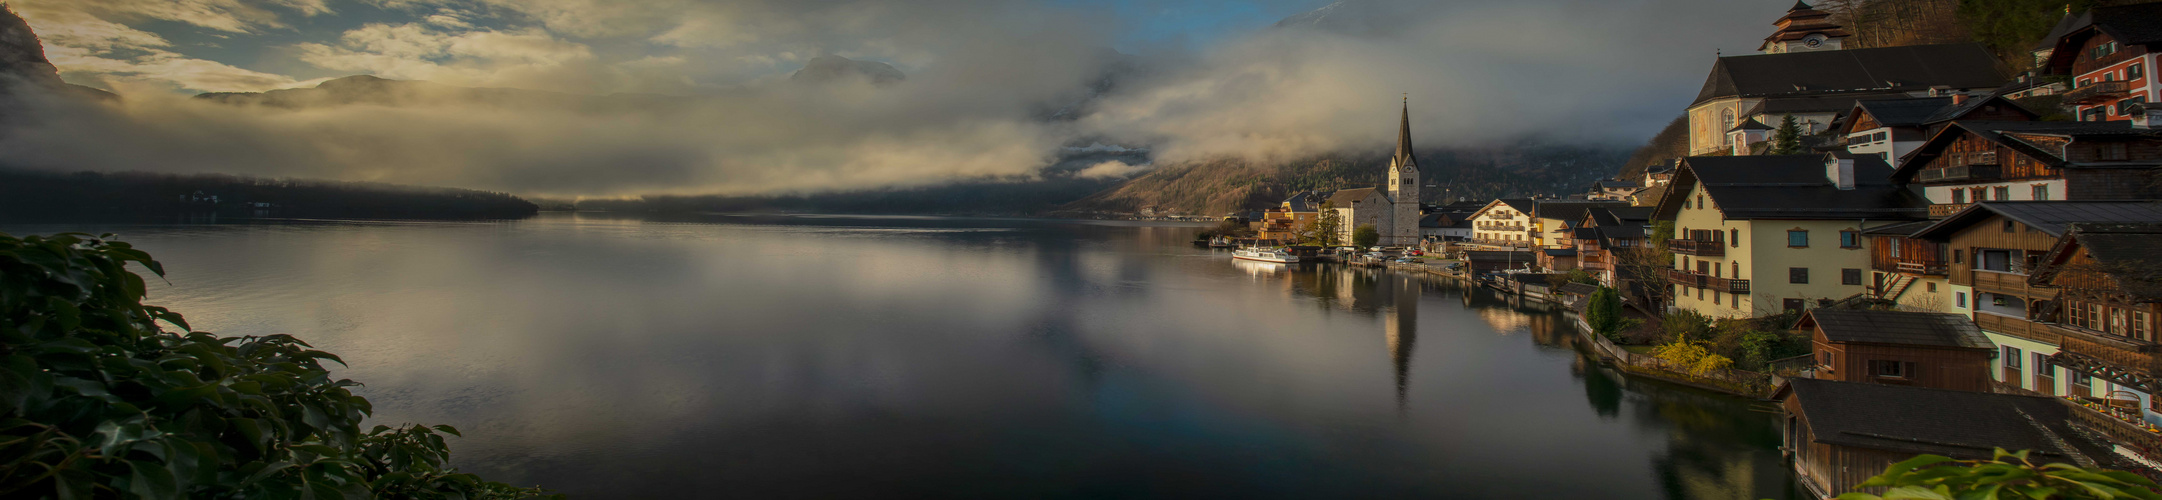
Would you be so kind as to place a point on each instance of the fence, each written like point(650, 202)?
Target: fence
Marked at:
point(1728, 380)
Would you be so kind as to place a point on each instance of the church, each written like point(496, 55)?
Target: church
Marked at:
point(1392, 210)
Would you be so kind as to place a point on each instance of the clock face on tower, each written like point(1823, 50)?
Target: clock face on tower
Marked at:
point(1813, 41)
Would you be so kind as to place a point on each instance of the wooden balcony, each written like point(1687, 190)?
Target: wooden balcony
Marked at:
point(2126, 361)
point(2107, 422)
point(2007, 283)
point(1691, 279)
point(1920, 267)
point(2098, 92)
point(1700, 248)
point(1942, 210)
point(1963, 168)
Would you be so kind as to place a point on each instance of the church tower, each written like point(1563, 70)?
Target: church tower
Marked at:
point(1402, 228)
point(1805, 29)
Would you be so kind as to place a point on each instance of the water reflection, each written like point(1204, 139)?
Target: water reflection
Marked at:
point(773, 356)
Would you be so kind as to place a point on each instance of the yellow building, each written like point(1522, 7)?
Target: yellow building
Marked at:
point(1504, 223)
point(1758, 235)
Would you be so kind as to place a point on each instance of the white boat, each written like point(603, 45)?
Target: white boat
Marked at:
point(1265, 255)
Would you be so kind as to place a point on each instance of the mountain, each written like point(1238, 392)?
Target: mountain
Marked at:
point(23, 63)
point(371, 90)
point(831, 68)
point(1226, 185)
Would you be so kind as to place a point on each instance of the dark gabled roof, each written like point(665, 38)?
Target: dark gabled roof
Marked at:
point(1896, 327)
point(1342, 198)
point(1750, 124)
point(1453, 219)
point(1303, 202)
point(1794, 187)
point(1579, 288)
point(1569, 212)
point(1522, 205)
point(1560, 252)
point(2049, 217)
point(2129, 252)
point(1900, 229)
point(1954, 112)
point(1465, 206)
point(2006, 132)
point(1915, 420)
point(1876, 70)
point(2139, 24)
point(1813, 104)
point(1493, 255)
point(1903, 112)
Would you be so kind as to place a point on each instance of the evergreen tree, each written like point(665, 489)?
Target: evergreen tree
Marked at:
point(1788, 139)
point(1327, 229)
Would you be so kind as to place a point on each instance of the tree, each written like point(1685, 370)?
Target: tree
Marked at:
point(1603, 312)
point(1942, 478)
point(97, 400)
point(1642, 269)
point(1365, 236)
point(1327, 228)
point(1788, 139)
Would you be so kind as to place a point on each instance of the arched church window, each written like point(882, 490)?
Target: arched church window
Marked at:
point(1727, 115)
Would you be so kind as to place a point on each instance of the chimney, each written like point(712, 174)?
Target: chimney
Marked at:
point(1840, 171)
point(1958, 99)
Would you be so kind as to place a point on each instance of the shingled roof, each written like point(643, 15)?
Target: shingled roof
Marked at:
point(1794, 187)
point(2128, 252)
point(1915, 420)
point(1343, 198)
point(1880, 70)
point(1896, 327)
point(2019, 136)
point(2128, 24)
point(2049, 217)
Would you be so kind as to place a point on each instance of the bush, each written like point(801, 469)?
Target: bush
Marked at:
point(1365, 236)
point(1686, 325)
point(1603, 311)
point(99, 401)
point(1691, 357)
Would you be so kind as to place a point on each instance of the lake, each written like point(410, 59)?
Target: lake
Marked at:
point(611, 356)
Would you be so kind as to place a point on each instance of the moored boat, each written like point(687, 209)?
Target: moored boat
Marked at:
point(1265, 255)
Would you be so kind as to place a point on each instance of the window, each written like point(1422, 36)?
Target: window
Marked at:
point(1932, 287)
point(1715, 298)
point(1893, 245)
point(2135, 71)
point(2041, 192)
point(2011, 357)
point(1791, 304)
point(2105, 49)
point(1850, 239)
point(1849, 277)
point(1959, 300)
point(1737, 272)
point(2082, 83)
point(1700, 202)
point(1797, 238)
point(1887, 369)
point(2110, 151)
point(2003, 193)
point(1735, 237)
point(1959, 256)
point(2117, 321)
point(1824, 358)
point(2011, 227)
point(2126, 106)
point(1959, 195)
point(2141, 326)
point(1798, 275)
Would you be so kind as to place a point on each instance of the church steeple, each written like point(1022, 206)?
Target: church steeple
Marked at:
point(1803, 29)
point(1403, 158)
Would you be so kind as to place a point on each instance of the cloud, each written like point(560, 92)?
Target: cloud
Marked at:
point(994, 89)
point(1110, 169)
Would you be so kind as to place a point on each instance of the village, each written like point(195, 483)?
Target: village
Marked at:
point(1893, 244)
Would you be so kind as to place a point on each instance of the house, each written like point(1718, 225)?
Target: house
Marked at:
point(2108, 290)
point(1504, 223)
point(1806, 72)
point(1605, 239)
point(1972, 161)
point(1288, 219)
point(1988, 253)
point(1361, 207)
point(1891, 128)
point(1842, 433)
point(1920, 349)
point(1487, 261)
point(1909, 271)
point(1445, 225)
point(2108, 52)
point(1750, 132)
point(1554, 224)
point(1756, 235)
point(1612, 189)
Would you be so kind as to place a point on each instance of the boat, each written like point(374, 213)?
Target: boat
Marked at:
point(1220, 242)
point(1265, 255)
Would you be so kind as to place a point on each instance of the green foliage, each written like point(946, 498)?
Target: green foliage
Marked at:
point(1691, 357)
point(1661, 232)
point(1936, 477)
point(98, 401)
point(2013, 27)
point(1327, 228)
point(1759, 347)
point(1365, 236)
point(1686, 325)
point(1788, 139)
point(1603, 311)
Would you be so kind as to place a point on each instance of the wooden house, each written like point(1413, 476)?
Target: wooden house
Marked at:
point(1921, 349)
point(2108, 279)
point(1975, 161)
point(1842, 433)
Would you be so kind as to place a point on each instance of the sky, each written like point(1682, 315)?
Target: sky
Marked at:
point(994, 88)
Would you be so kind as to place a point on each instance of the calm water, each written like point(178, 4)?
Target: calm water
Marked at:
point(910, 357)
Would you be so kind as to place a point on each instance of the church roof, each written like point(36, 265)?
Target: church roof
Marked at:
point(1403, 140)
point(1878, 70)
point(1801, 21)
point(1750, 124)
point(1343, 198)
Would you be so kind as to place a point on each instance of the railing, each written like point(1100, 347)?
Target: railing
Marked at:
point(2097, 91)
point(1942, 210)
point(1924, 267)
point(2001, 282)
point(1503, 243)
point(1686, 278)
point(1700, 248)
point(2018, 327)
point(1963, 169)
point(1729, 285)
point(2139, 438)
